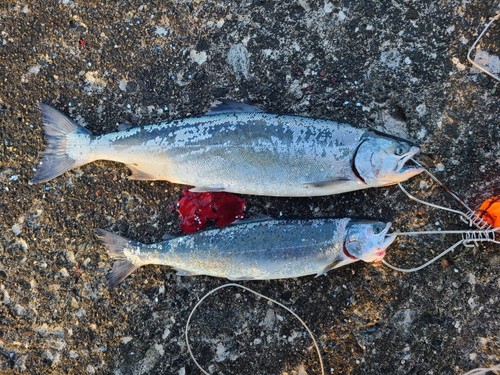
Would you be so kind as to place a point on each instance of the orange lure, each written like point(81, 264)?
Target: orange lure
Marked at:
point(490, 211)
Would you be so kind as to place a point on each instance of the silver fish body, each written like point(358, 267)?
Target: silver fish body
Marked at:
point(249, 152)
point(262, 250)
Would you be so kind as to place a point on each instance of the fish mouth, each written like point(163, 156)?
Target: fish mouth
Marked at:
point(388, 238)
point(406, 170)
point(386, 229)
point(379, 250)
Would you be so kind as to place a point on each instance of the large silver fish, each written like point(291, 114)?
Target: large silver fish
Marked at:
point(237, 148)
point(256, 250)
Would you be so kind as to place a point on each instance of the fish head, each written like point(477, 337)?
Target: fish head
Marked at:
point(367, 240)
point(380, 159)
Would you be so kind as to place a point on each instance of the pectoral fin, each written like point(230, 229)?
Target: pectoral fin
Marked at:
point(342, 261)
point(328, 183)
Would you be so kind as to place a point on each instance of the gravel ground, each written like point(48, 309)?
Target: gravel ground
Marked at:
point(398, 66)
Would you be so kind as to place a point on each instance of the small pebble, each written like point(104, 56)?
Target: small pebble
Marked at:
point(63, 272)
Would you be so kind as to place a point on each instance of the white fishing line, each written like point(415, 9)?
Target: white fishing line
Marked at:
point(186, 331)
point(409, 195)
point(483, 370)
point(469, 216)
point(469, 238)
point(481, 68)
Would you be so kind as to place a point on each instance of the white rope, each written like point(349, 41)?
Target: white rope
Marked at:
point(469, 217)
point(428, 263)
point(469, 237)
point(186, 331)
point(474, 46)
point(483, 370)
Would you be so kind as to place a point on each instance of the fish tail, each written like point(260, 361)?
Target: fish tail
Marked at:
point(55, 159)
point(115, 245)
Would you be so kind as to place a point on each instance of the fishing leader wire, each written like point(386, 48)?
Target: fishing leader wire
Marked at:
point(469, 217)
point(469, 238)
point(480, 67)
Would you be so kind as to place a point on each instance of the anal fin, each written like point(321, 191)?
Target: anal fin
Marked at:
point(138, 174)
point(181, 272)
point(240, 278)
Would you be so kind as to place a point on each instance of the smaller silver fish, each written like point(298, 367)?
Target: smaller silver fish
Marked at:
point(256, 250)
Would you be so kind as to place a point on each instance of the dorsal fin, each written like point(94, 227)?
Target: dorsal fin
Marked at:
point(221, 106)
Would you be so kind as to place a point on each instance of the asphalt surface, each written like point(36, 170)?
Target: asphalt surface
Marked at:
point(397, 66)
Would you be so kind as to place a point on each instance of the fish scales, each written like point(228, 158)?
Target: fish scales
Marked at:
point(245, 152)
point(269, 249)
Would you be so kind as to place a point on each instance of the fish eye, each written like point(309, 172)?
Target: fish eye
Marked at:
point(377, 229)
point(399, 150)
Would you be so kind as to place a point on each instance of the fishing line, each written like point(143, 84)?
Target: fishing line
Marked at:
point(469, 238)
point(483, 370)
point(469, 217)
point(484, 233)
point(469, 211)
point(475, 44)
point(186, 330)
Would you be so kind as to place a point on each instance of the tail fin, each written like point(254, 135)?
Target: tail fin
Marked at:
point(55, 159)
point(115, 245)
